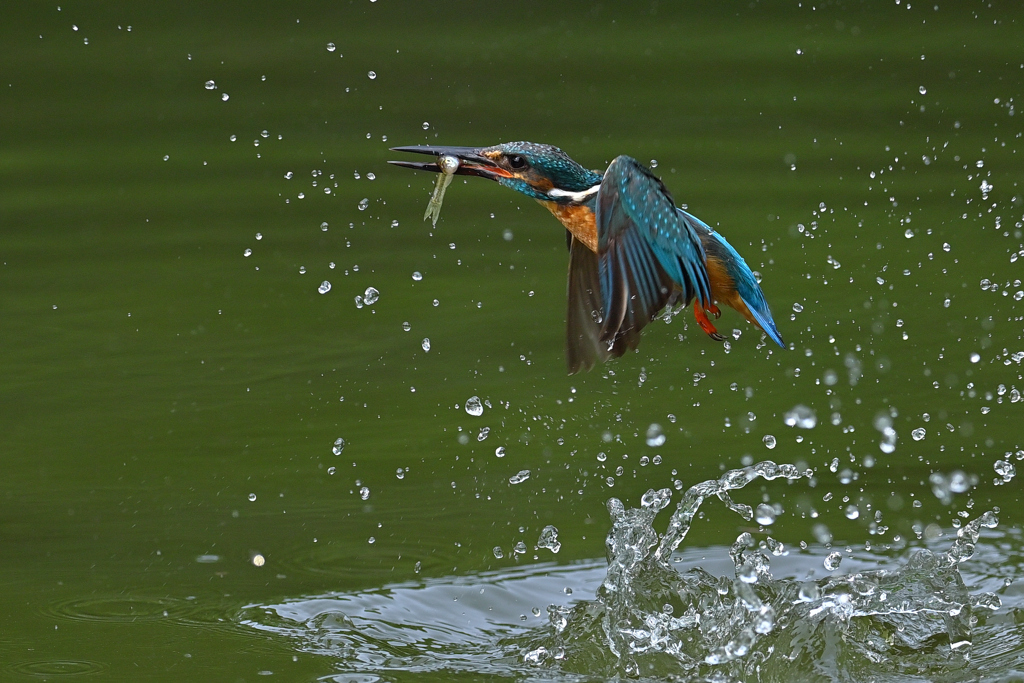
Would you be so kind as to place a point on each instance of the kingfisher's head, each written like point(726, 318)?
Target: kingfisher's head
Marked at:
point(539, 171)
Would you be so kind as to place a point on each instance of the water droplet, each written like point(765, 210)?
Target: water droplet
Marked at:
point(764, 514)
point(769, 441)
point(797, 308)
point(808, 592)
point(852, 512)
point(363, 203)
point(975, 357)
point(474, 407)
point(499, 452)
point(224, 97)
point(801, 416)
point(484, 432)
point(426, 344)
point(324, 287)
point(364, 493)
point(498, 552)
point(655, 436)
point(417, 275)
point(1005, 469)
point(747, 572)
point(371, 176)
point(289, 175)
point(324, 226)
point(507, 235)
point(247, 253)
point(302, 270)
point(259, 236)
point(832, 561)
point(918, 434)
point(959, 482)
point(654, 163)
point(371, 75)
point(339, 446)
point(519, 478)
point(908, 233)
point(370, 296)
point(426, 125)
point(332, 470)
point(252, 497)
point(400, 473)
point(210, 85)
point(331, 47)
point(923, 90)
point(549, 539)
point(406, 326)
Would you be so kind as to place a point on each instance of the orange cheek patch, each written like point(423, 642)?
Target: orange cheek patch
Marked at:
point(542, 184)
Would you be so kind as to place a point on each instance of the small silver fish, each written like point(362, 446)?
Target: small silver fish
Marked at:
point(449, 165)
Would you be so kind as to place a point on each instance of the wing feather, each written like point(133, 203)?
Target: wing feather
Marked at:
point(647, 253)
point(583, 345)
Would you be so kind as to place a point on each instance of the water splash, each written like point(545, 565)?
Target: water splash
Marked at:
point(650, 620)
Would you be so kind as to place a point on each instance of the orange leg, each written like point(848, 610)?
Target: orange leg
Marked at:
point(705, 324)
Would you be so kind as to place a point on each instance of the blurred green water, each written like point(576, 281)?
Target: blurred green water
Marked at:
point(152, 377)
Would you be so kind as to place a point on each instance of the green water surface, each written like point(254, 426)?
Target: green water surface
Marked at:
point(168, 403)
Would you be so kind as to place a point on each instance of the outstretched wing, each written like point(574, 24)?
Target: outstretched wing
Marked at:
point(647, 254)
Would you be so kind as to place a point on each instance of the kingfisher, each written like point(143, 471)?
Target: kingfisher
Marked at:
point(632, 251)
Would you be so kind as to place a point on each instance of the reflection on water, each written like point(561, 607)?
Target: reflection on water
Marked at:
point(657, 613)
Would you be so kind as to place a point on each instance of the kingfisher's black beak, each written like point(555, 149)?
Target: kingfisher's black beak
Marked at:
point(471, 161)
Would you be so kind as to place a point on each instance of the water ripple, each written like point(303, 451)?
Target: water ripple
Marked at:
point(57, 668)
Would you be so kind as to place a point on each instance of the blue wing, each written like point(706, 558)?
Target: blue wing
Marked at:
point(648, 255)
point(718, 248)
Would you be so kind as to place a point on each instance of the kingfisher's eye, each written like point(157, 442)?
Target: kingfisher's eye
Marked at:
point(516, 161)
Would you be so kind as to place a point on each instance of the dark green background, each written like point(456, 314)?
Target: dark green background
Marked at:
point(152, 377)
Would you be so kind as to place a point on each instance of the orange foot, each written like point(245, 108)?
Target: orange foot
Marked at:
point(705, 324)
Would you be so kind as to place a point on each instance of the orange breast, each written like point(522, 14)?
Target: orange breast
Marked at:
point(579, 220)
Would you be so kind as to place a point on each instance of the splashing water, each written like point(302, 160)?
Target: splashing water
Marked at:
point(650, 621)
